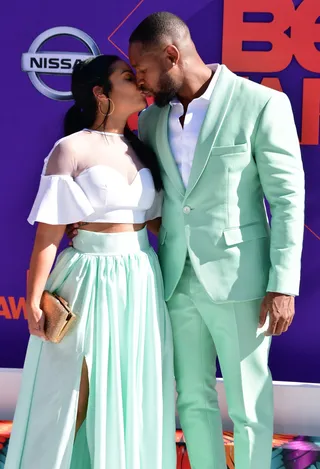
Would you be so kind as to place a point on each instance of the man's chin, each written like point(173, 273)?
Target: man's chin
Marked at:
point(162, 100)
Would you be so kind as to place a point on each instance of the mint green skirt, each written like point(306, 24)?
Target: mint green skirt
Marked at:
point(114, 285)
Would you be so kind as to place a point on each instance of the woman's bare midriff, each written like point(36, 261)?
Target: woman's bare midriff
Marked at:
point(111, 227)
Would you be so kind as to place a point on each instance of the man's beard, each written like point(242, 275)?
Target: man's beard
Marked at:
point(168, 90)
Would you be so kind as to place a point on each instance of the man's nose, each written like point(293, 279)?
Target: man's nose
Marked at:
point(139, 78)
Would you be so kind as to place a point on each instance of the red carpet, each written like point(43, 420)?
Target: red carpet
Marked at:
point(289, 452)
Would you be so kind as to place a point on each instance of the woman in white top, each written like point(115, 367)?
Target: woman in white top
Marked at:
point(103, 398)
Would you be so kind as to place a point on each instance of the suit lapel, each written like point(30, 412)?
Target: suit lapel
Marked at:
point(217, 110)
point(164, 151)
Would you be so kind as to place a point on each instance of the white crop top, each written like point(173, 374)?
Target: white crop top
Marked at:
point(94, 176)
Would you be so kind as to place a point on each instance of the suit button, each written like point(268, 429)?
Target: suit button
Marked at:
point(186, 210)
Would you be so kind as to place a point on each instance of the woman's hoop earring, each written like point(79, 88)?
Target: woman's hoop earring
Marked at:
point(110, 112)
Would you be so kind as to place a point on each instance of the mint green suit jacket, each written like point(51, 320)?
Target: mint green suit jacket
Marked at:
point(247, 149)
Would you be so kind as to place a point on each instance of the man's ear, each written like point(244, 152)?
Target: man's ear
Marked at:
point(173, 54)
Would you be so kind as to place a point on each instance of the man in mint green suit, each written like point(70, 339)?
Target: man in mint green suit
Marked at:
point(223, 144)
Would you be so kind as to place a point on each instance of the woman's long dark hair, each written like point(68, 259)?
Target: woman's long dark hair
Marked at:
point(86, 75)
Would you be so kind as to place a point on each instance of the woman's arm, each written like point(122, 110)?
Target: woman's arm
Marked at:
point(154, 226)
point(48, 238)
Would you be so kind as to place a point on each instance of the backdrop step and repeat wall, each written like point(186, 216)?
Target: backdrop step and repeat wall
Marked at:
point(273, 42)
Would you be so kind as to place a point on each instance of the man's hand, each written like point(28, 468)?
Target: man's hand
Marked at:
point(281, 312)
point(72, 231)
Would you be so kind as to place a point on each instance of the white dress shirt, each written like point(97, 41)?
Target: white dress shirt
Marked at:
point(183, 140)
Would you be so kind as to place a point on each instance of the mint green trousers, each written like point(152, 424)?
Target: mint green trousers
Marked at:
point(203, 331)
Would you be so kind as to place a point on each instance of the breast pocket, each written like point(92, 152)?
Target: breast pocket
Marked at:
point(229, 150)
point(235, 158)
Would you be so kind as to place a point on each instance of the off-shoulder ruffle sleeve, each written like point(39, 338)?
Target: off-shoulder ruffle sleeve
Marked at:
point(59, 201)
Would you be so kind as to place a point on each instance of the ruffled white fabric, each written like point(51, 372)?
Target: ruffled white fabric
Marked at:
point(59, 201)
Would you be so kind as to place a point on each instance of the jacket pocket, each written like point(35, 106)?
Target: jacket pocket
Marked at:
point(229, 150)
point(244, 233)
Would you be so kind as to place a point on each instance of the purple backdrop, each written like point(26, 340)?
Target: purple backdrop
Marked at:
point(31, 122)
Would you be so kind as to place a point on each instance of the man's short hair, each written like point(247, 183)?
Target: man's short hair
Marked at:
point(158, 27)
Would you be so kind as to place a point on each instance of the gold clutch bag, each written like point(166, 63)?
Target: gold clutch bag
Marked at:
point(58, 316)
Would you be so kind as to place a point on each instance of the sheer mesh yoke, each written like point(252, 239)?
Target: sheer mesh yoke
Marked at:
point(95, 177)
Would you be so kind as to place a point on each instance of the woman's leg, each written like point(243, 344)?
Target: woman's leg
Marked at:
point(83, 396)
point(81, 458)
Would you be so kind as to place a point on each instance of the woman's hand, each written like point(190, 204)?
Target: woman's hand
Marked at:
point(72, 232)
point(36, 321)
